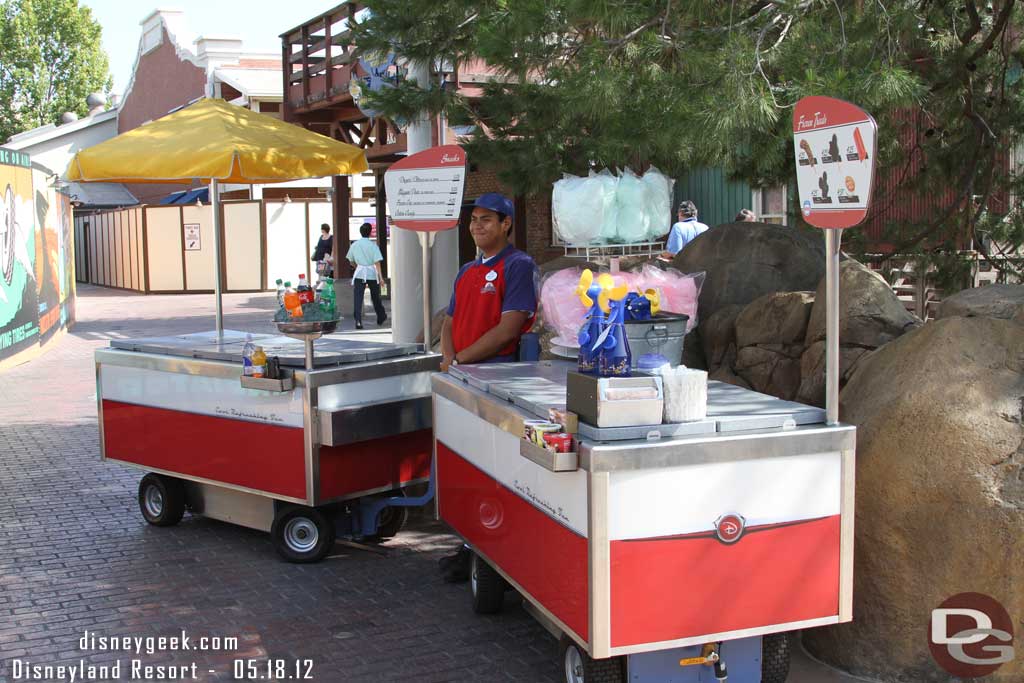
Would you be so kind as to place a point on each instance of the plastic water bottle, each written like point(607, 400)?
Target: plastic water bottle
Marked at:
point(258, 361)
point(247, 352)
point(280, 293)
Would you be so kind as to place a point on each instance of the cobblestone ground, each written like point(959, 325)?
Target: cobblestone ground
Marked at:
point(76, 556)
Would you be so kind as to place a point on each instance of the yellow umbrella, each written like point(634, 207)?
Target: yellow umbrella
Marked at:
point(215, 142)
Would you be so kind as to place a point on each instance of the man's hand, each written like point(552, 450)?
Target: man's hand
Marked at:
point(446, 362)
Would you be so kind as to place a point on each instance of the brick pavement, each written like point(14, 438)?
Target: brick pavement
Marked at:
point(75, 554)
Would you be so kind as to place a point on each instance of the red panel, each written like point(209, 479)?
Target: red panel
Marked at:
point(366, 465)
point(671, 588)
point(258, 456)
point(547, 559)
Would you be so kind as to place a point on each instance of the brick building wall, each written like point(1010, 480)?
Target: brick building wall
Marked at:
point(162, 81)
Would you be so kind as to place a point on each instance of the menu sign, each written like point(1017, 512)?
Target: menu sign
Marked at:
point(835, 146)
point(424, 190)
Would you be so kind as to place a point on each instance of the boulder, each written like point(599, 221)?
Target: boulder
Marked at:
point(940, 492)
point(725, 374)
point(776, 318)
point(718, 336)
point(773, 370)
point(870, 315)
point(812, 371)
point(746, 260)
point(991, 301)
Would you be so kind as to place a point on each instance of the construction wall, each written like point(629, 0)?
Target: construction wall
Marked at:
point(170, 249)
point(37, 263)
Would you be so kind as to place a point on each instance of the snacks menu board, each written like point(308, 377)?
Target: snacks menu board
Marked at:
point(424, 190)
point(834, 142)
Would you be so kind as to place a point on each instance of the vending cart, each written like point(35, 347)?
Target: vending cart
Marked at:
point(654, 553)
point(326, 448)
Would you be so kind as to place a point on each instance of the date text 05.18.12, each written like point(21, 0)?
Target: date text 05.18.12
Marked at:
point(272, 669)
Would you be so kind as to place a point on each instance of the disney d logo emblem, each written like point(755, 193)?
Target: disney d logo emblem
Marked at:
point(729, 527)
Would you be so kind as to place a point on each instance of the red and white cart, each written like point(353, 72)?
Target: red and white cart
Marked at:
point(641, 553)
point(326, 449)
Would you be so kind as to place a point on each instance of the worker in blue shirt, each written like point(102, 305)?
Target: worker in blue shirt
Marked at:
point(685, 231)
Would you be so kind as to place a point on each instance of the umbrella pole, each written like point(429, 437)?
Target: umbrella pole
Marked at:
point(218, 230)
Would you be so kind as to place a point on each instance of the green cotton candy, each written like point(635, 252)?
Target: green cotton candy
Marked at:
point(633, 212)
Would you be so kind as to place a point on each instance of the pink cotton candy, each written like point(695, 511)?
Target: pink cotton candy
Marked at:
point(563, 312)
point(679, 292)
point(560, 306)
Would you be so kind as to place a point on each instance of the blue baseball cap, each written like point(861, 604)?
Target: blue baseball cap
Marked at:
point(495, 202)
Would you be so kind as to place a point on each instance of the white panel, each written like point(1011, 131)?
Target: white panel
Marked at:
point(136, 247)
point(560, 495)
point(286, 242)
point(200, 265)
point(243, 249)
point(335, 396)
point(120, 251)
point(163, 237)
point(204, 395)
point(684, 500)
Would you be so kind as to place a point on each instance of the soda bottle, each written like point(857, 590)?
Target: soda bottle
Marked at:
point(327, 301)
point(291, 301)
point(304, 290)
point(280, 293)
point(247, 352)
point(258, 362)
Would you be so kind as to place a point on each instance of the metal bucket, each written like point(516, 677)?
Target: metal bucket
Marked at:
point(661, 334)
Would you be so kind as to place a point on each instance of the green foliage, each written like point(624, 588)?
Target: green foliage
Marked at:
point(684, 83)
point(50, 61)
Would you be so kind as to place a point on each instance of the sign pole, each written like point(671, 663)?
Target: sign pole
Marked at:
point(835, 146)
point(424, 195)
point(426, 240)
point(832, 239)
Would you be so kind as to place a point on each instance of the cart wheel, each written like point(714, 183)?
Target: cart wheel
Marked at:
point(302, 534)
point(487, 586)
point(579, 667)
point(774, 658)
point(392, 520)
point(161, 499)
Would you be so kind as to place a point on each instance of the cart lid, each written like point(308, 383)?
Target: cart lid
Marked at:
point(538, 387)
point(328, 351)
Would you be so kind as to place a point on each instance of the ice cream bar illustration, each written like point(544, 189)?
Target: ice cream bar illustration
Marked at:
point(806, 147)
point(862, 151)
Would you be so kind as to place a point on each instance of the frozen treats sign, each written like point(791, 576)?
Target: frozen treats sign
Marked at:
point(835, 151)
point(425, 190)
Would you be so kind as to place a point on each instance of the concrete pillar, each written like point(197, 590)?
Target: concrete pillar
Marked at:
point(406, 271)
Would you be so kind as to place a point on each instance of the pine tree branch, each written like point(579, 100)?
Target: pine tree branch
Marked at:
point(975, 27)
point(997, 30)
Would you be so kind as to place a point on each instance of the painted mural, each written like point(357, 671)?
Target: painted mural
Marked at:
point(36, 257)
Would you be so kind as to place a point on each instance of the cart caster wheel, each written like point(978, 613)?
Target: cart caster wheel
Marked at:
point(579, 667)
point(392, 520)
point(161, 499)
point(302, 534)
point(487, 586)
point(775, 658)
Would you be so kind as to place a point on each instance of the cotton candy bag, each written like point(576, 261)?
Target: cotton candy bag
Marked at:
point(576, 210)
point(659, 203)
point(633, 212)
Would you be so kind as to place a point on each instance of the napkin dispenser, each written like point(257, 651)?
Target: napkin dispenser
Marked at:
point(615, 401)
